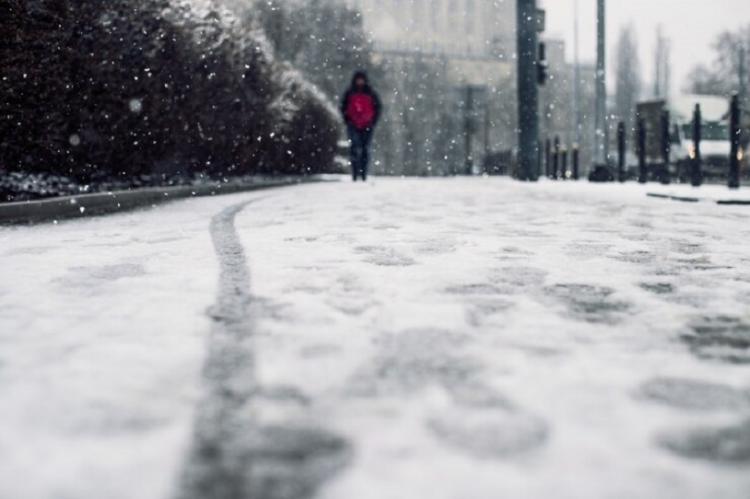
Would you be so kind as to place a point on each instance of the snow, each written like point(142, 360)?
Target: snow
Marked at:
point(464, 337)
point(102, 327)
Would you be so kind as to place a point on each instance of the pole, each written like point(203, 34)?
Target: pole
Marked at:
point(486, 125)
point(734, 137)
point(556, 158)
point(621, 151)
point(600, 156)
point(540, 158)
point(642, 169)
point(744, 104)
point(576, 159)
point(528, 92)
point(468, 130)
point(577, 77)
point(666, 147)
point(696, 177)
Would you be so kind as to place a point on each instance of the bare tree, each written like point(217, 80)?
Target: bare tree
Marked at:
point(729, 71)
point(627, 75)
point(324, 39)
point(705, 81)
point(663, 68)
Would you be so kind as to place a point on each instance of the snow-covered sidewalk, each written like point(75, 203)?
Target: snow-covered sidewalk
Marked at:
point(446, 338)
point(103, 331)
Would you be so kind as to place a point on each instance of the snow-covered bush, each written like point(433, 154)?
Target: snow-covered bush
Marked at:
point(127, 87)
point(324, 39)
point(305, 113)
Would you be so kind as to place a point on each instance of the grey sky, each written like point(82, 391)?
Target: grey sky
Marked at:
point(692, 25)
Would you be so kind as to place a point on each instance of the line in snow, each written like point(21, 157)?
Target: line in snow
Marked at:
point(215, 466)
point(233, 455)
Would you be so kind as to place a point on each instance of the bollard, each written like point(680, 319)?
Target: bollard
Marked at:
point(734, 137)
point(564, 169)
point(666, 147)
point(642, 168)
point(621, 151)
point(469, 127)
point(696, 167)
point(540, 157)
point(556, 158)
point(547, 154)
point(576, 173)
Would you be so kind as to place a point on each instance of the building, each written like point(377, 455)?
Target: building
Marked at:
point(558, 107)
point(476, 36)
point(478, 27)
point(449, 68)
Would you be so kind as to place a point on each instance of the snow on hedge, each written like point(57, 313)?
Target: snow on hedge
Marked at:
point(130, 87)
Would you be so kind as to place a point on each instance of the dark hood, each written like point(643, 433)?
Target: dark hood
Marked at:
point(357, 75)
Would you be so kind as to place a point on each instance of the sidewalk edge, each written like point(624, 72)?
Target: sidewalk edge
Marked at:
point(86, 205)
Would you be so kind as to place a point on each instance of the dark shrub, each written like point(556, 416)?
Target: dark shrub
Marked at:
point(127, 87)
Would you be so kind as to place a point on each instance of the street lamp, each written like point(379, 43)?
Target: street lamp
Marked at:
point(600, 146)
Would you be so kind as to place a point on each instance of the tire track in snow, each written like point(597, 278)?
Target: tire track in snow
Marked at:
point(233, 455)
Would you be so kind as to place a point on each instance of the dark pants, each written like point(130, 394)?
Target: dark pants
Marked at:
point(360, 152)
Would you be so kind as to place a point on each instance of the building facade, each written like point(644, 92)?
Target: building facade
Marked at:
point(466, 28)
point(565, 102)
point(446, 63)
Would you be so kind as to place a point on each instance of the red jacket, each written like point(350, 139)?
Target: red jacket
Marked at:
point(361, 108)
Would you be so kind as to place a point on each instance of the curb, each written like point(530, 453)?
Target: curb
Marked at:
point(684, 199)
point(86, 205)
point(734, 202)
point(688, 199)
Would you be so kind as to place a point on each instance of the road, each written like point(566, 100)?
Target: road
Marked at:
point(451, 339)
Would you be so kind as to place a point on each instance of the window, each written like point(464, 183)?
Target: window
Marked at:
point(435, 15)
point(417, 16)
point(470, 15)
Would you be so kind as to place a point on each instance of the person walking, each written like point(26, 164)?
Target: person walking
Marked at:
point(361, 110)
